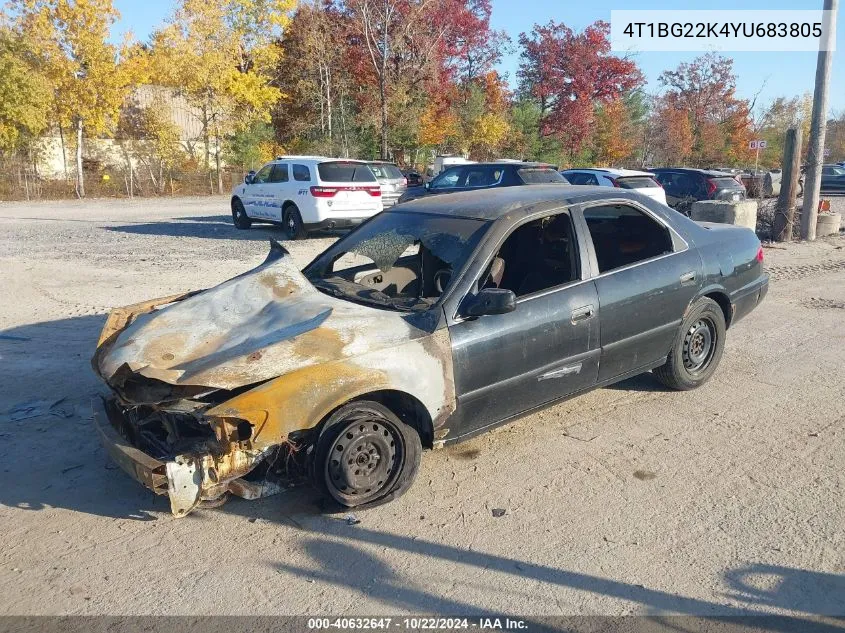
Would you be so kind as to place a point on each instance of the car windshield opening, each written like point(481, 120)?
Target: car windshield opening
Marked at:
point(398, 260)
point(340, 171)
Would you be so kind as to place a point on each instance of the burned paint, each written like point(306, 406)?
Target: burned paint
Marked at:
point(305, 352)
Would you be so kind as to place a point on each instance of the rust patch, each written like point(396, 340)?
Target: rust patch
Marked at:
point(323, 344)
point(299, 400)
point(255, 356)
point(269, 280)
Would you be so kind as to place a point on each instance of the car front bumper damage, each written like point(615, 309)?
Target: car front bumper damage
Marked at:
point(186, 479)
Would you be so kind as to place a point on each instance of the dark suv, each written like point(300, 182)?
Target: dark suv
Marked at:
point(472, 176)
point(684, 186)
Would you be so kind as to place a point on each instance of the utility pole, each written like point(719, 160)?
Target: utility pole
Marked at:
point(815, 155)
point(785, 212)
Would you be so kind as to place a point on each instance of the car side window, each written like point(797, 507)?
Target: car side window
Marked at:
point(624, 235)
point(280, 173)
point(301, 173)
point(536, 256)
point(447, 179)
point(263, 175)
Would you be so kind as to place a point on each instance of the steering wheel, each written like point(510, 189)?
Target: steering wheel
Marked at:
point(442, 278)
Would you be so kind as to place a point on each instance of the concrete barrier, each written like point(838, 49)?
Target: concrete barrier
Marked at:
point(742, 213)
point(828, 224)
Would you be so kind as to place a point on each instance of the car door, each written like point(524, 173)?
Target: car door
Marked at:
point(254, 201)
point(544, 350)
point(647, 276)
point(275, 191)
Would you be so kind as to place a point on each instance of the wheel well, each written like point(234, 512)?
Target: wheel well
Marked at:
point(232, 201)
point(722, 299)
point(410, 410)
point(288, 203)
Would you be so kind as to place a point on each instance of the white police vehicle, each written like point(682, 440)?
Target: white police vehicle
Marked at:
point(307, 193)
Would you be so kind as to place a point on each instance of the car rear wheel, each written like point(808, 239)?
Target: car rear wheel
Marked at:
point(697, 349)
point(292, 220)
point(239, 216)
point(365, 455)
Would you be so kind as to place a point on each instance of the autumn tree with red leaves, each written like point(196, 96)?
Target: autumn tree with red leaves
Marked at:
point(570, 74)
point(704, 91)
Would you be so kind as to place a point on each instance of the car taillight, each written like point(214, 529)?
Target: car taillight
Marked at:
point(330, 192)
point(739, 180)
point(711, 186)
point(613, 180)
point(760, 254)
point(657, 182)
point(405, 181)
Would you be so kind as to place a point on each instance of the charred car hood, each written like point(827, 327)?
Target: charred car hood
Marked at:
point(265, 323)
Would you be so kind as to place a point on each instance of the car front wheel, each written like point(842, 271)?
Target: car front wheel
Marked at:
point(239, 217)
point(365, 455)
point(697, 349)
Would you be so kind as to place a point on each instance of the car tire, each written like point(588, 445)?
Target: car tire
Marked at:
point(239, 217)
point(365, 456)
point(292, 220)
point(697, 348)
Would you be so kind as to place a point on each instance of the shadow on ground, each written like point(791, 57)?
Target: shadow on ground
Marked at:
point(211, 227)
point(50, 362)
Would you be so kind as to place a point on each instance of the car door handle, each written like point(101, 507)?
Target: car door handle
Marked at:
point(688, 278)
point(582, 314)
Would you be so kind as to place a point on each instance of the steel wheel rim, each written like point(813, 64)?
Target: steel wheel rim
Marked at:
point(239, 212)
point(291, 224)
point(699, 345)
point(364, 460)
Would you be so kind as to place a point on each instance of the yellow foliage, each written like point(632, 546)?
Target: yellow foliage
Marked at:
point(24, 96)
point(437, 127)
point(490, 131)
point(68, 42)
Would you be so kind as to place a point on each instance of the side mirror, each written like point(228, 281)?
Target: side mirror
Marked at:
point(249, 178)
point(491, 301)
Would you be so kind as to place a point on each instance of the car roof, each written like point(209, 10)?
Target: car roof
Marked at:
point(507, 163)
point(622, 173)
point(320, 159)
point(495, 203)
point(704, 172)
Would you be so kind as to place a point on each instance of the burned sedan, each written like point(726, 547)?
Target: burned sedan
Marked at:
point(430, 323)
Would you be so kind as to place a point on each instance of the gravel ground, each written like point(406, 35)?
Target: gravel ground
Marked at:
point(726, 500)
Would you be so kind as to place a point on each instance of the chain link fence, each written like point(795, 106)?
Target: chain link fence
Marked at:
point(19, 182)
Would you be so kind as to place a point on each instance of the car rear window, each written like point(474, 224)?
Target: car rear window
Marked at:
point(637, 182)
point(387, 171)
point(539, 175)
point(725, 183)
point(345, 172)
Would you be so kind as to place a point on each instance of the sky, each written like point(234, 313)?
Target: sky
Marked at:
point(770, 74)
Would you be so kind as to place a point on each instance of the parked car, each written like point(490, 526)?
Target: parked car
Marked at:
point(444, 162)
point(477, 176)
point(643, 181)
point(833, 178)
point(684, 186)
point(392, 181)
point(414, 178)
point(433, 322)
point(307, 193)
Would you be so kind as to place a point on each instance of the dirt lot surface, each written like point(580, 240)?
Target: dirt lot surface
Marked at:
point(727, 500)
